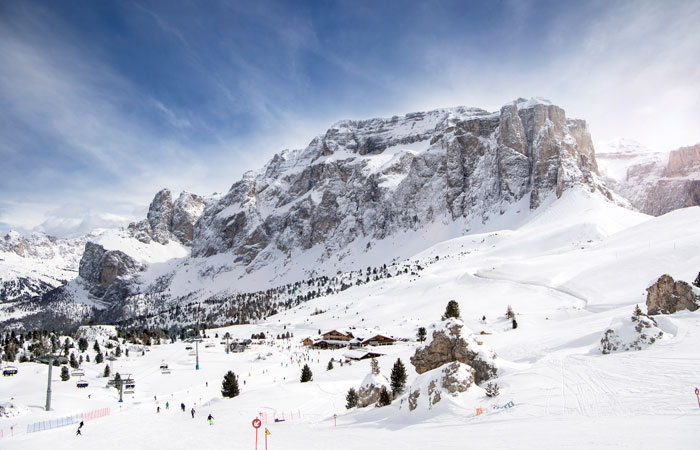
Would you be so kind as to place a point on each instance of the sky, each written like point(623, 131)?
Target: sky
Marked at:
point(104, 103)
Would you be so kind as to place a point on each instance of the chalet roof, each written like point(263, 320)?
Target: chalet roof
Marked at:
point(359, 354)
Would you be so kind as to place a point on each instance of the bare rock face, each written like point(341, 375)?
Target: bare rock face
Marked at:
point(653, 182)
point(447, 346)
point(667, 296)
point(373, 178)
point(168, 221)
point(101, 267)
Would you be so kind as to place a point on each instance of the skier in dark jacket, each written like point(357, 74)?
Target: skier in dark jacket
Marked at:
point(182, 405)
point(210, 418)
point(192, 412)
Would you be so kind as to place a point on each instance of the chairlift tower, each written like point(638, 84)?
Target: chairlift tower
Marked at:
point(49, 360)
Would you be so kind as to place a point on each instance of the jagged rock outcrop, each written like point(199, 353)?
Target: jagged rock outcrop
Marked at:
point(667, 296)
point(101, 267)
point(167, 220)
point(448, 344)
point(370, 179)
point(655, 183)
point(450, 379)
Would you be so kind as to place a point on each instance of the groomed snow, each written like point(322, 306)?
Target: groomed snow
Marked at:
point(578, 266)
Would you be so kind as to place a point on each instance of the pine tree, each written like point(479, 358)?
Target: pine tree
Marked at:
point(87, 358)
point(82, 344)
point(637, 313)
point(80, 360)
point(509, 313)
point(330, 365)
point(73, 362)
point(398, 378)
point(515, 323)
point(374, 364)
point(229, 387)
point(117, 380)
point(384, 397)
point(65, 373)
point(492, 390)
point(118, 351)
point(306, 374)
point(696, 283)
point(106, 372)
point(452, 310)
point(96, 347)
point(99, 358)
point(351, 398)
point(421, 334)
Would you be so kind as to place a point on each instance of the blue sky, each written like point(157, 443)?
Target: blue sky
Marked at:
point(103, 103)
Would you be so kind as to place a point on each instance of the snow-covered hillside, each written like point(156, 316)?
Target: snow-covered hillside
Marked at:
point(573, 269)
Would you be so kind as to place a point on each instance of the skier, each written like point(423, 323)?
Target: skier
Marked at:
point(158, 409)
point(78, 433)
point(182, 405)
point(192, 412)
point(167, 405)
point(210, 418)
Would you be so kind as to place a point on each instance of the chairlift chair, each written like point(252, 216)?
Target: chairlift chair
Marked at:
point(81, 384)
point(9, 371)
point(77, 373)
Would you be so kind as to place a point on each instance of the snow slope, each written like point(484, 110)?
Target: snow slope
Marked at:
point(568, 273)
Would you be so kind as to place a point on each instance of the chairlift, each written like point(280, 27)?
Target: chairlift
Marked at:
point(192, 353)
point(165, 371)
point(9, 371)
point(78, 373)
point(163, 366)
point(81, 384)
point(208, 345)
point(129, 388)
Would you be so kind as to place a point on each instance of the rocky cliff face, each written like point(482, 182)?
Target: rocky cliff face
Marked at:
point(655, 183)
point(168, 220)
point(369, 179)
point(100, 267)
point(667, 296)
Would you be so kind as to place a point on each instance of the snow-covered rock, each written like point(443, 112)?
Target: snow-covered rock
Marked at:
point(667, 296)
point(635, 333)
point(450, 379)
point(371, 386)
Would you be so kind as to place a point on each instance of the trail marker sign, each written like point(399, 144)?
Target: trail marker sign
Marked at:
point(256, 425)
point(697, 394)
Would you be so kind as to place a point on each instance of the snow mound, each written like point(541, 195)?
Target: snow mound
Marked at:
point(635, 333)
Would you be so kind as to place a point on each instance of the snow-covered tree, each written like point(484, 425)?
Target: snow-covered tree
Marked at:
point(422, 333)
point(65, 373)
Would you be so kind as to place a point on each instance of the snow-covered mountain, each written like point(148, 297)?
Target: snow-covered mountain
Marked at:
point(364, 193)
point(654, 182)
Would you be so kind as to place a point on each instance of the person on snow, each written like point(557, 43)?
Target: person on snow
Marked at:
point(79, 433)
point(182, 405)
point(167, 405)
point(158, 409)
point(192, 412)
point(210, 418)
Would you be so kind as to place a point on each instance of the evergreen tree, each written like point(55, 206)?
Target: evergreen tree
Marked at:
point(117, 380)
point(374, 365)
point(229, 387)
point(96, 347)
point(492, 390)
point(99, 358)
point(118, 351)
point(73, 361)
point(384, 397)
point(87, 358)
point(696, 283)
point(306, 374)
point(515, 323)
point(421, 334)
point(398, 378)
point(452, 310)
point(65, 373)
point(330, 365)
point(351, 398)
point(106, 372)
point(80, 360)
point(82, 344)
point(509, 313)
point(126, 353)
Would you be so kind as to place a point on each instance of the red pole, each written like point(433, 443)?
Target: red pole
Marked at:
point(697, 394)
point(256, 439)
point(265, 441)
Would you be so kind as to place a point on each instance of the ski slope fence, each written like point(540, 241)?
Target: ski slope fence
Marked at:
point(280, 416)
point(67, 420)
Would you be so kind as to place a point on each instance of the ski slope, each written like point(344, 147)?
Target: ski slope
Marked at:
point(575, 267)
